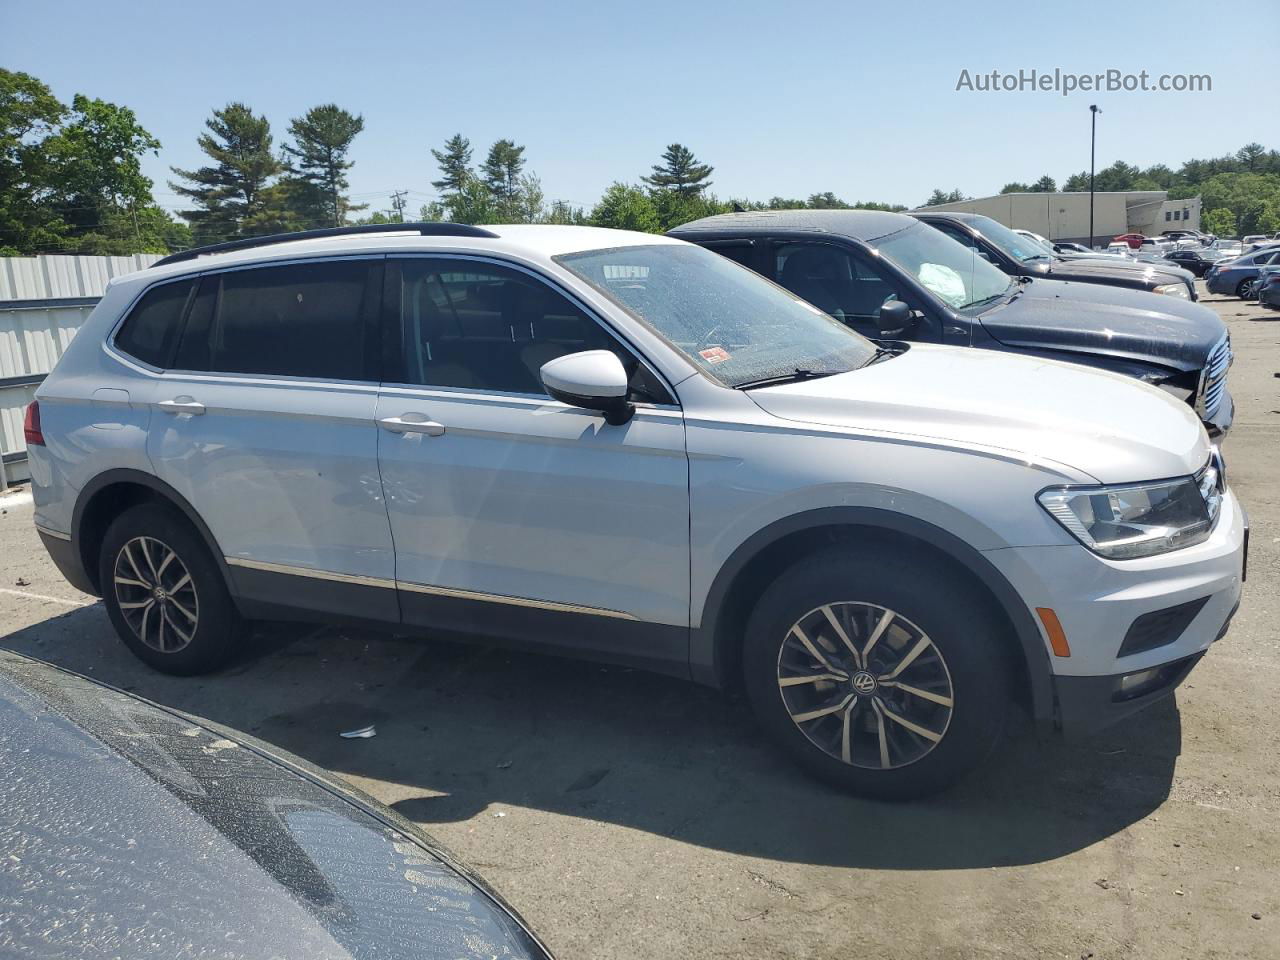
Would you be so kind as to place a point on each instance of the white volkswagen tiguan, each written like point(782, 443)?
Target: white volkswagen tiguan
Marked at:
point(622, 446)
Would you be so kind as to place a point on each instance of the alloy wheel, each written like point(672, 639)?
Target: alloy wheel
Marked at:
point(865, 685)
point(156, 594)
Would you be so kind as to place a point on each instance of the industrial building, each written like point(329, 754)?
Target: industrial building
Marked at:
point(1065, 216)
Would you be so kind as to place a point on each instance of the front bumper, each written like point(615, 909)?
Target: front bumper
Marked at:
point(1097, 602)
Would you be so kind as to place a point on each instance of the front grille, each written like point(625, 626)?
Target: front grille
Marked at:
point(1213, 379)
point(1160, 627)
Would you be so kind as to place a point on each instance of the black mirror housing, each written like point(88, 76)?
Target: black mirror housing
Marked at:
point(895, 319)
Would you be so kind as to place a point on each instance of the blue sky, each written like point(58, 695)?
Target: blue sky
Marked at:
point(783, 98)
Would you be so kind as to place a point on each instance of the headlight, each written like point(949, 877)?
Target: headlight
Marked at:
point(1174, 290)
point(1140, 519)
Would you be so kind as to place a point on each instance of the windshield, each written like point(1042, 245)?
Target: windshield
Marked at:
point(732, 323)
point(956, 274)
point(1018, 247)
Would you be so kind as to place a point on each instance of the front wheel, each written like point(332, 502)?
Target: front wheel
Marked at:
point(165, 595)
point(882, 675)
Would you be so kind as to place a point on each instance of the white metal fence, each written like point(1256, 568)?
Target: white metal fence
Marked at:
point(43, 302)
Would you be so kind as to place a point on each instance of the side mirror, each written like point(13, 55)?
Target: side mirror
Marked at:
point(593, 380)
point(895, 319)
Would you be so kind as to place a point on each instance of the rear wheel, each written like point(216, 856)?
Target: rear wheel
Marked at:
point(1245, 290)
point(165, 595)
point(884, 676)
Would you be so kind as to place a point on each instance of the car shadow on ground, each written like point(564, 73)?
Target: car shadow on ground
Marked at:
point(463, 728)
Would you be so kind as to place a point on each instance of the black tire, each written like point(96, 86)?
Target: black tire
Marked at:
point(1244, 290)
point(929, 601)
point(148, 530)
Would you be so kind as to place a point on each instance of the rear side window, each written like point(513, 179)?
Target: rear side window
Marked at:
point(303, 320)
point(149, 332)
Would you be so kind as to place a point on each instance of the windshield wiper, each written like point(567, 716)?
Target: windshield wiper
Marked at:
point(798, 374)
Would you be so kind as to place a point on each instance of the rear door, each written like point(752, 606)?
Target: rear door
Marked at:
point(515, 515)
point(264, 422)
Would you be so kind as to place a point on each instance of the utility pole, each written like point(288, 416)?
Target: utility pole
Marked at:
point(1093, 142)
point(398, 202)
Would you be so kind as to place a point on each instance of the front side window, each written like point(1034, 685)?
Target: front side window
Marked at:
point(148, 333)
point(952, 271)
point(299, 320)
point(837, 281)
point(733, 324)
point(480, 326)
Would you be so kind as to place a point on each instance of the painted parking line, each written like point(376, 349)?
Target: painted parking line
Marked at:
point(46, 598)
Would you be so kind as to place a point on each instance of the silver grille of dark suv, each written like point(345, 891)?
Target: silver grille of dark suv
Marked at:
point(1213, 379)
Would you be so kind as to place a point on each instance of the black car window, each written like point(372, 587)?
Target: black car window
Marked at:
point(148, 333)
point(301, 320)
point(838, 282)
point(485, 327)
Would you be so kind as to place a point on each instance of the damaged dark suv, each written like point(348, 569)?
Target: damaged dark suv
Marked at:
point(891, 277)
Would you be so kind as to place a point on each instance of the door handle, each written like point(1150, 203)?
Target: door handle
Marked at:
point(412, 423)
point(182, 405)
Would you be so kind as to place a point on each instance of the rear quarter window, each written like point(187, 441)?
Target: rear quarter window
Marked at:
point(151, 328)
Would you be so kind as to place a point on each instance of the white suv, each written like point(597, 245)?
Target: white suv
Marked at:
point(623, 446)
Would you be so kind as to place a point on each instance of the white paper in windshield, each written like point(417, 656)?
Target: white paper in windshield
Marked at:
point(945, 282)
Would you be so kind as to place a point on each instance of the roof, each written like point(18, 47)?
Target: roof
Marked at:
point(864, 225)
point(960, 215)
point(536, 242)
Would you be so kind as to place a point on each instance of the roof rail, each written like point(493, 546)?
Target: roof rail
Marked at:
point(248, 243)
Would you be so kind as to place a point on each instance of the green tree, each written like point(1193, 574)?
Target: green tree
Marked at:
point(29, 113)
point(563, 212)
point(1045, 184)
point(626, 207)
point(230, 196)
point(455, 164)
point(318, 160)
point(502, 169)
point(680, 172)
point(942, 196)
point(1221, 222)
point(1252, 157)
point(1014, 187)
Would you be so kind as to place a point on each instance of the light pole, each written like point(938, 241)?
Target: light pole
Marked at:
point(1093, 142)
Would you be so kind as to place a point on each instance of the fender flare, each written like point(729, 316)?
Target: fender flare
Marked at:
point(138, 478)
point(705, 656)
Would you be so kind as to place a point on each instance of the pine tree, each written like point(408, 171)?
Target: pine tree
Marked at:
point(317, 161)
point(679, 171)
point(455, 164)
point(501, 170)
point(1045, 184)
point(230, 195)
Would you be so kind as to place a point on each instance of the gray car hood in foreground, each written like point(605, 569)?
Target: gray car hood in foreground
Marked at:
point(130, 831)
point(1133, 324)
point(1103, 424)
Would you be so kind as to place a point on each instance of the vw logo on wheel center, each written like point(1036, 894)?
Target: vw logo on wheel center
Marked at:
point(864, 682)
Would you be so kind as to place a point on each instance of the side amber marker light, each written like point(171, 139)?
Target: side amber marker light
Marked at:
point(1057, 636)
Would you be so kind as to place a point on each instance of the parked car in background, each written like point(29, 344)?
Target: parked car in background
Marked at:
point(1229, 248)
point(1068, 247)
point(1196, 259)
point(1201, 239)
point(1017, 256)
point(1131, 240)
point(916, 287)
point(1119, 248)
point(624, 446)
point(1031, 235)
point(1256, 239)
point(131, 830)
point(1269, 287)
point(1154, 246)
point(1238, 277)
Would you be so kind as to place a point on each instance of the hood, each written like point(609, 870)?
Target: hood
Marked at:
point(1089, 317)
point(135, 831)
point(1134, 272)
point(1102, 424)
